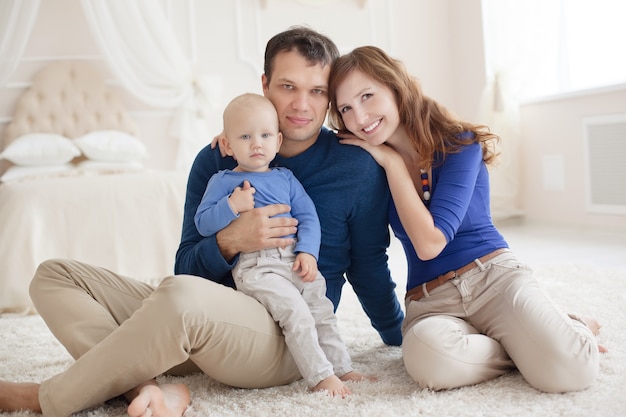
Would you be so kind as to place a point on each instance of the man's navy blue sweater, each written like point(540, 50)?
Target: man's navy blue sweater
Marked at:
point(351, 196)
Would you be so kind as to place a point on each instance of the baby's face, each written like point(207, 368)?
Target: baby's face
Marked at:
point(253, 138)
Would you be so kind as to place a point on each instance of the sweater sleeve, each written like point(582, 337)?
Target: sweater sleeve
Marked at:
point(198, 255)
point(455, 187)
point(214, 212)
point(368, 273)
point(303, 209)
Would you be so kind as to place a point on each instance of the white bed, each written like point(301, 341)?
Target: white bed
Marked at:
point(94, 208)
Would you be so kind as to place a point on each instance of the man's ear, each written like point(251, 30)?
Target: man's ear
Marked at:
point(225, 146)
point(264, 84)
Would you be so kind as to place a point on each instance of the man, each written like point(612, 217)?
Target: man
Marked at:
point(348, 188)
point(124, 333)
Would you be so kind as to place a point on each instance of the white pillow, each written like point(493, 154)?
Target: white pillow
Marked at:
point(18, 172)
point(111, 146)
point(40, 149)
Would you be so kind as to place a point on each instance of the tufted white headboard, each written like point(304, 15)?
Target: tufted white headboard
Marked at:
point(69, 98)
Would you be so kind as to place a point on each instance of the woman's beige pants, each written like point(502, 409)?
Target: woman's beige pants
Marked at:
point(123, 333)
point(489, 320)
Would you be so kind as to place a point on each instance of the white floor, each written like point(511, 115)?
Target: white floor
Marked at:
point(539, 245)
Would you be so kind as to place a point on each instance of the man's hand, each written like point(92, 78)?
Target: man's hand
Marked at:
point(257, 229)
point(306, 266)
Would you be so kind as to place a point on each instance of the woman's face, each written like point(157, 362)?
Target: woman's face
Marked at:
point(368, 108)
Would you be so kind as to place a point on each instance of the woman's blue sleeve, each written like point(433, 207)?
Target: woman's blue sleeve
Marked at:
point(456, 180)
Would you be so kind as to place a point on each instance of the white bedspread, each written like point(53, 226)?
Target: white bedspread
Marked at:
point(129, 223)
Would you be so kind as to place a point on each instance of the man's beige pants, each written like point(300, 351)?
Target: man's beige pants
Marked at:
point(489, 320)
point(123, 332)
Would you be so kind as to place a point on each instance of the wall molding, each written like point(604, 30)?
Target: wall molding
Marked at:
point(314, 3)
point(251, 48)
point(246, 20)
point(52, 58)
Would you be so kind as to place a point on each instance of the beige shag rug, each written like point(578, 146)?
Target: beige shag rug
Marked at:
point(29, 352)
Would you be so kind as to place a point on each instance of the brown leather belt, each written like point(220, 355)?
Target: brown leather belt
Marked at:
point(416, 293)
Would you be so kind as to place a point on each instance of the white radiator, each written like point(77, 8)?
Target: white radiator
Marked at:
point(605, 160)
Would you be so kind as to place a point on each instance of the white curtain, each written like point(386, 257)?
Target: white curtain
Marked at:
point(500, 113)
point(520, 39)
point(16, 22)
point(141, 48)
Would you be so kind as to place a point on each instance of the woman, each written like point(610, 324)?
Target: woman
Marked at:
point(473, 310)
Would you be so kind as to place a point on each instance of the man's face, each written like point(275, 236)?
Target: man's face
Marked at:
point(299, 91)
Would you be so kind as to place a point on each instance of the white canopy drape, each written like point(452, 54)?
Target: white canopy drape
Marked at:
point(524, 53)
point(16, 22)
point(505, 33)
point(141, 48)
point(500, 113)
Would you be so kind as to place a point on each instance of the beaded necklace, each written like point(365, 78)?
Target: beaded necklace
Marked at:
point(425, 185)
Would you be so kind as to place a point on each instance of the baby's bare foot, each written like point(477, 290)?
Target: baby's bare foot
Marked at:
point(592, 323)
point(357, 377)
point(333, 386)
point(167, 400)
point(595, 327)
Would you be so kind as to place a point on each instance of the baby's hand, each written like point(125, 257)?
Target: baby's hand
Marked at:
point(242, 198)
point(306, 266)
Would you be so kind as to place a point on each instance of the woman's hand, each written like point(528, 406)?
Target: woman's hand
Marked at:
point(428, 241)
point(382, 154)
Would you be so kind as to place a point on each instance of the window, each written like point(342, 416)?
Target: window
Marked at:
point(547, 47)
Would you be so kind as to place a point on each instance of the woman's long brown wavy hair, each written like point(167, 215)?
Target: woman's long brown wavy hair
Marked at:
point(432, 128)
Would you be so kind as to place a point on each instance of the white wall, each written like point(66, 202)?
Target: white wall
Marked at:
point(553, 129)
point(226, 39)
point(440, 41)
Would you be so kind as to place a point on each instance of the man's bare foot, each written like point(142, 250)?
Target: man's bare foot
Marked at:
point(357, 377)
point(334, 386)
point(167, 400)
point(15, 396)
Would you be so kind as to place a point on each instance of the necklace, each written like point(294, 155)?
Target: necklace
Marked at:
point(425, 184)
